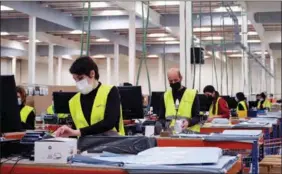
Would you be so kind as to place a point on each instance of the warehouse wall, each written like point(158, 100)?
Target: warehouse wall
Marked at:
point(234, 82)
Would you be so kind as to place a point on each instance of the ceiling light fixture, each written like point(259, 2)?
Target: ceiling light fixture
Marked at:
point(112, 13)
point(202, 29)
point(99, 56)
point(97, 5)
point(235, 55)
point(102, 40)
point(152, 56)
point(206, 57)
point(76, 32)
point(5, 8)
point(231, 51)
point(233, 8)
point(172, 42)
point(259, 52)
point(253, 41)
point(157, 35)
point(4, 33)
point(166, 39)
point(251, 33)
point(163, 3)
point(67, 57)
point(213, 38)
point(36, 41)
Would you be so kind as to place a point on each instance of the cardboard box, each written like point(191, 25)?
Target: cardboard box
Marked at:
point(55, 150)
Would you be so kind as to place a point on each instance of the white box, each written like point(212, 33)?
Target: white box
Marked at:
point(54, 150)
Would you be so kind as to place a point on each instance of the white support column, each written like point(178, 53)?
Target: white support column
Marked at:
point(59, 71)
point(132, 44)
point(51, 64)
point(185, 20)
point(263, 75)
point(272, 79)
point(161, 72)
point(14, 66)
point(31, 49)
point(109, 72)
point(116, 63)
point(245, 60)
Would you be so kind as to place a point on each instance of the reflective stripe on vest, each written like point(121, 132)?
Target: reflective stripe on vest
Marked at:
point(184, 109)
point(98, 109)
point(216, 108)
point(25, 111)
point(243, 103)
point(51, 112)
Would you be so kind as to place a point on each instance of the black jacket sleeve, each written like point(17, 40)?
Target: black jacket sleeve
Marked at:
point(240, 107)
point(111, 117)
point(195, 117)
point(29, 121)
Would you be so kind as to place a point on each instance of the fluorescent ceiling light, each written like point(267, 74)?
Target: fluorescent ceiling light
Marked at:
point(202, 29)
point(231, 51)
point(112, 13)
point(152, 56)
point(259, 52)
point(254, 41)
point(235, 55)
point(5, 8)
point(233, 8)
point(97, 5)
point(157, 35)
point(76, 32)
point(206, 57)
point(213, 38)
point(98, 56)
point(4, 33)
point(163, 3)
point(102, 40)
point(166, 39)
point(37, 41)
point(172, 42)
point(251, 33)
point(67, 57)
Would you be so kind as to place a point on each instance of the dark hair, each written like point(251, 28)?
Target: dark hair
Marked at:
point(240, 96)
point(271, 95)
point(216, 94)
point(258, 95)
point(209, 88)
point(22, 93)
point(83, 66)
point(263, 95)
point(127, 84)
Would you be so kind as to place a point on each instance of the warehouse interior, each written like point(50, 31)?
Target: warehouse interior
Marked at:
point(227, 57)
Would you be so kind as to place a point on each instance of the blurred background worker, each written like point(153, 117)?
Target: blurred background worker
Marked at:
point(50, 110)
point(242, 106)
point(185, 99)
point(218, 107)
point(264, 103)
point(272, 99)
point(257, 99)
point(26, 112)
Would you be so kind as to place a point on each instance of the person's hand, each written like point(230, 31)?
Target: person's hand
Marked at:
point(185, 124)
point(66, 131)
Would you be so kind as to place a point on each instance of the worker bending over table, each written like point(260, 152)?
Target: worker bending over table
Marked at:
point(96, 108)
point(218, 107)
point(26, 112)
point(185, 99)
point(264, 103)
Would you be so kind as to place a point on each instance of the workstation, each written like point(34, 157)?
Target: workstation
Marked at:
point(140, 87)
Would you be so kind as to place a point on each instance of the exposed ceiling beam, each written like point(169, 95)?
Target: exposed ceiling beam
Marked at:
point(57, 17)
point(13, 44)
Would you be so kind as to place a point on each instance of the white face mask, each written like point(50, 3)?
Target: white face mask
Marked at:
point(19, 101)
point(84, 87)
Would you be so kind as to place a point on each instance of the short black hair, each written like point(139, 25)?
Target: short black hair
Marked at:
point(83, 66)
point(271, 95)
point(209, 88)
point(240, 96)
point(262, 95)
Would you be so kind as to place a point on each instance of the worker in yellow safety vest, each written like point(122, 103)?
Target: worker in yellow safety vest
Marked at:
point(264, 103)
point(27, 113)
point(180, 105)
point(242, 106)
point(50, 110)
point(96, 108)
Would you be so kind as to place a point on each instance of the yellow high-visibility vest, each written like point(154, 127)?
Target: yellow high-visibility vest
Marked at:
point(184, 109)
point(98, 109)
point(211, 114)
point(51, 111)
point(242, 113)
point(243, 103)
point(25, 111)
point(266, 104)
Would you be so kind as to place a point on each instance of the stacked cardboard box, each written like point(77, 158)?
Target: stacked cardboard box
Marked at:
point(271, 165)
